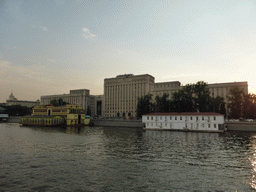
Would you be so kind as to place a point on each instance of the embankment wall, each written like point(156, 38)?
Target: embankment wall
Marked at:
point(118, 123)
point(240, 126)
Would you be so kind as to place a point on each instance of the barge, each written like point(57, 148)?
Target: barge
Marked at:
point(49, 115)
point(186, 121)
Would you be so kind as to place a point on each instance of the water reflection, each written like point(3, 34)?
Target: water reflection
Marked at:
point(114, 159)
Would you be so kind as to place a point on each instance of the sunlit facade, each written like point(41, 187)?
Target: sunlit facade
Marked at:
point(121, 92)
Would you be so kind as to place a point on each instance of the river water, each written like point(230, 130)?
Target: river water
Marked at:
point(123, 159)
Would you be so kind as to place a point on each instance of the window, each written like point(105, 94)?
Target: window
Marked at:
point(203, 118)
point(160, 118)
point(191, 118)
point(147, 118)
point(170, 118)
point(180, 118)
point(209, 125)
point(215, 126)
point(176, 118)
point(214, 118)
point(197, 118)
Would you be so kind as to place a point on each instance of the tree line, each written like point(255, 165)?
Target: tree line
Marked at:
point(197, 98)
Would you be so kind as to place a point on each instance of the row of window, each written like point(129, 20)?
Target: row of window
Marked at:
point(186, 125)
point(180, 117)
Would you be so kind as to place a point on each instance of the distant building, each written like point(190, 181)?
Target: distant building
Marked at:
point(121, 92)
point(14, 101)
point(78, 97)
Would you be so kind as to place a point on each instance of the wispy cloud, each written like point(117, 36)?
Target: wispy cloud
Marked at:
point(43, 28)
point(87, 34)
point(38, 26)
point(50, 60)
point(18, 71)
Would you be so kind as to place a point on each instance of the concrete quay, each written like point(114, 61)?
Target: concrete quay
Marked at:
point(118, 123)
point(240, 126)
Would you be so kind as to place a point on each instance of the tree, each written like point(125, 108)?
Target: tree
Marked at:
point(236, 102)
point(18, 110)
point(202, 97)
point(144, 105)
point(161, 103)
point(58, 102)
point(218, 105)
point(249, 106)
point(183, 100)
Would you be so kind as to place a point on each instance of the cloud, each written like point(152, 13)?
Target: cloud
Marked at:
point(39, 27)
point(43, 28)
point(51, 60)
point(87, 34)
point(10, 72)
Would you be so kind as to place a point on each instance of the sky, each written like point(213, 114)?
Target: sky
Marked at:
point(52, 46)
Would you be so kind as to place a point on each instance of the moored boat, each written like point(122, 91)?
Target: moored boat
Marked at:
point(204, 121)
point(48, 115)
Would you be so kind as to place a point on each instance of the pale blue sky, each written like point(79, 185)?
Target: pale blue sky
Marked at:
point(52, 46)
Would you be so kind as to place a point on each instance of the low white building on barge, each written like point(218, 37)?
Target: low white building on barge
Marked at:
point(189, 121)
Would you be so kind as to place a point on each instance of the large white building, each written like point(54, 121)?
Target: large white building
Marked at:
point(121, 92)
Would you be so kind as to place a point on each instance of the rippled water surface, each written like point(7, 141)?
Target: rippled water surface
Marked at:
point(123, 159)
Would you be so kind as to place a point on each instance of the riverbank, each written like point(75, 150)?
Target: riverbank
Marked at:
point(118, 123)
point(231, 126)
point(240, 126)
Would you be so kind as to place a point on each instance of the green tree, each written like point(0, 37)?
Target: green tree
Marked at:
point(144, 105)
point(58, 102)
point(236, 103)
point(18, 110)
point(217, 105)
point(249, 106)
point(161, 103)
point(183, 100)
point(202, 97)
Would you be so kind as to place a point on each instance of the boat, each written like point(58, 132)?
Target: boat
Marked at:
point(49, 115)
point(4, 117)
point(186, 121)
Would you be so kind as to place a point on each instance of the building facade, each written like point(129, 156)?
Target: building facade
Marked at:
point(121, 92)
point(14, 101)
point(80, 97)
point(208, 122)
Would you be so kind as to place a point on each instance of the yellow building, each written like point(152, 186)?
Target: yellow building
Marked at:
point(46, 115)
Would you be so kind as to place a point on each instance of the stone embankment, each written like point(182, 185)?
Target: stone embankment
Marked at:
point(14, 119)
point(240, 126)
point(118, 123)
